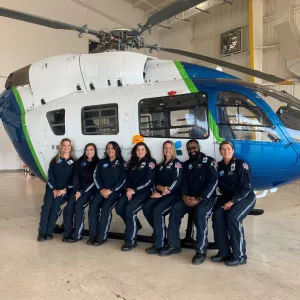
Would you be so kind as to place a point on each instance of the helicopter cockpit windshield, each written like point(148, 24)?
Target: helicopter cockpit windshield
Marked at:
point(287, 111)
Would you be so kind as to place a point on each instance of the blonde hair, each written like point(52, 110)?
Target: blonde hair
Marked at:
point(173, 150)
point(59, 152)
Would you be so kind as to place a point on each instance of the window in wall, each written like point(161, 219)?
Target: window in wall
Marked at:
point(100, 120)
point(182, 116)
point(240, 119)
point(56, 119)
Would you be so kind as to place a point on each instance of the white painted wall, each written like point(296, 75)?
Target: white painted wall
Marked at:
point(23, 43)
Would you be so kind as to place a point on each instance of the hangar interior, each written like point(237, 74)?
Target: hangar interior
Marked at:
point(266, 38)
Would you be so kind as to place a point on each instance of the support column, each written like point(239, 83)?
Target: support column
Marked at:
point(256, 34)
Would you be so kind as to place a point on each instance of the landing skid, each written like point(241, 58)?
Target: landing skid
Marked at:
point(187, 242)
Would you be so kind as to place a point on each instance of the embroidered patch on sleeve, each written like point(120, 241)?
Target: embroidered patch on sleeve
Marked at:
point(151, 165)
point(178, 165)
point(246, 167)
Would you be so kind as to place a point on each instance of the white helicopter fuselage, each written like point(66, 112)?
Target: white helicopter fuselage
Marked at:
point(72, 82)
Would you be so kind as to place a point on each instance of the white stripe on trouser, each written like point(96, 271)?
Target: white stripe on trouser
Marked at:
point(241, 227)
point(206, 228)
point(108, 221)
point(83, 217)
point(164, 225)
point(134, 223)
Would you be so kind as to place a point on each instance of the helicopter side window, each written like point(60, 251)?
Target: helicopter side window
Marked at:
point(100, 120)
point(182, 116)
point(56, 119)
point(240, 119)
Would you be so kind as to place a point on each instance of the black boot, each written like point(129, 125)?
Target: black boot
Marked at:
point(41, 237)
point(126, 247)
point(49, 236)
point(91, 240)
point(167, 251)
point(72, 240)
point(152, 250)
point(234, 262)
point(219, 258)
point(199, 258)
point(99, 242)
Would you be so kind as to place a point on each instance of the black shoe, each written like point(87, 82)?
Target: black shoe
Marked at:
point(126, 247)
point(49, 236)
point(234, 262)
point(99, 242)
point(199, 258)
point(91, 240)
point(72, 240)
point(41, 237)
point(138, 224)
point(64, 239)
point(166, 251)
point(152, 250)
point(219, 258)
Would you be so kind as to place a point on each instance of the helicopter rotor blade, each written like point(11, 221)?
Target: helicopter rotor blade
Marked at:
point(170, 11)
point(17, 15)
point(245, 70)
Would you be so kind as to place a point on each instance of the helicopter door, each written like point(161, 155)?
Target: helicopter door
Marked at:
point(257, 139)
point(177, 118)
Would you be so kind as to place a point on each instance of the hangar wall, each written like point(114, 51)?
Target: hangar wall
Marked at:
point(202, 35)
point(23, 43)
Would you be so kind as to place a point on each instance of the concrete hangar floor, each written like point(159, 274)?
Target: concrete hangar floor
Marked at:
point(54, 270)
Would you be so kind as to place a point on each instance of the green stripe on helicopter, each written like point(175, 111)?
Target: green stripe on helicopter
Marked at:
point(193, 89)
point(26, 134)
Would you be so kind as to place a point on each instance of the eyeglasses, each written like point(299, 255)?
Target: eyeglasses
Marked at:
point(193, 148)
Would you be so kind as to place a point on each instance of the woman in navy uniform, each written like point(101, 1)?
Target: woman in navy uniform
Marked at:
point(236, 201)
point(167, 183)
point(83, 189)
point(109, 178)
point(140, 179)
point(59, 185)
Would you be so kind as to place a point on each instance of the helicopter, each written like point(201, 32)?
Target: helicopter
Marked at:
point(116, 94)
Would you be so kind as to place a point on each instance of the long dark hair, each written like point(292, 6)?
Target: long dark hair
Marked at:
point(117, 148)
point(134, 160)
point(89, 169)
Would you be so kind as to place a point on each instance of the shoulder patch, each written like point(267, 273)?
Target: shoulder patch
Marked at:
point(246, 167)
point(151, 165)
point(204, 159)
point(178, 165)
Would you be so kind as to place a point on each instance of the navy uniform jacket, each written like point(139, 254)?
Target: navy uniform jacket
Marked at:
point(110, 174)
point(235, 180)
point(141, 177)
point(83, 179)
point(200, 177)
point(60, 174)
point(170, 175)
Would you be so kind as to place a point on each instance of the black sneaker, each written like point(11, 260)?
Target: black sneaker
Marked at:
point(126, 247)
point(219, 258)
point(64, 239)
point(199, 258)
point(167, 251)
point(234, 262)
point(49, 236)
point(152, 250)
point(99, 242)
point(91, 240)
point(41, 237)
